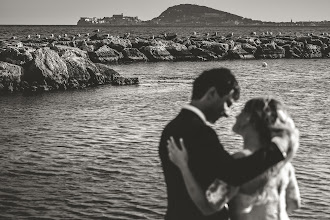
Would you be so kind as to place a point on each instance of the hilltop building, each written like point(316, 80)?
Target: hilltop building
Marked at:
point(119, 19)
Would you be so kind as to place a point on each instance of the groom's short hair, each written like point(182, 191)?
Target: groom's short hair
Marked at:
point(220, 78)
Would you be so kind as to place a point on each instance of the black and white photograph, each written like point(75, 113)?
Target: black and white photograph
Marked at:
point(164, 110)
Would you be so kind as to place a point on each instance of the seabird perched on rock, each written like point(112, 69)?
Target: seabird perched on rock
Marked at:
point(38, 36)
point(194, 33)
point(28, 37)
point(52, 36)
point(215, 34)
point(107, 36)
point(270, 33)
point(87, 34)
point(230, 35)
point(51, 45)
point(279, 34)
point(97, 30)
point(207, 34)
point(253, 33)
point(13, 37)
point(78, 35)
point(126, 35)
point(65, 35)
point(59, 36)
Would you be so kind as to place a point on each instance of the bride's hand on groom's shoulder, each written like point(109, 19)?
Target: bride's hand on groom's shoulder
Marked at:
point(178, 155)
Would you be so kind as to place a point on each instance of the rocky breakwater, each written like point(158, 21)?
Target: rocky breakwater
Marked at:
point(52, 67)
point(201, 47)
point(47, 63)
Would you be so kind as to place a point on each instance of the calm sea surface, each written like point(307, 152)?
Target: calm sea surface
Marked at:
point(93, 154)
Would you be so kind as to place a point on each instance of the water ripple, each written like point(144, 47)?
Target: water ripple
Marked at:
point(93, 154)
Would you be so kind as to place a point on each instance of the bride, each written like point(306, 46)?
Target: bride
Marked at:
point(271, 195)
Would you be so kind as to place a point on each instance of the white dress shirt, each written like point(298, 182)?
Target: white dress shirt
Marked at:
point(197, 112)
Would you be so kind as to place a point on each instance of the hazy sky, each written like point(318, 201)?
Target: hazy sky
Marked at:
point(68, 12)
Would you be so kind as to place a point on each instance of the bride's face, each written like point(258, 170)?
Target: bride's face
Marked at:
point(242, 122)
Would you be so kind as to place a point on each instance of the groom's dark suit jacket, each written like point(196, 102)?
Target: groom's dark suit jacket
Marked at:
point(207, 160)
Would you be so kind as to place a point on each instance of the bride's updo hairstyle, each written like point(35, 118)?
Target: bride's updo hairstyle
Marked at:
point(270, 119)
point(265, 115)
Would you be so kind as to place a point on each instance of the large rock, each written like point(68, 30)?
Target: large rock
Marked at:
point(133, 55)
point(108, 73)
point(3, 45)
point(295, 49)
point(326, 52)
point(95, 45)
point(239, 53)
point(18, 56)
point(187, 43)
point(10, 76)
point(118, 44)
point(203, 54)
point(66, 51)
point(180, 52)
point(325, 40)
point(231, 43)
point(96, 37)
point(219, 49)
point(84, 46)
point(82, 71)
point(47, 67)
point(123, 81)
point(162, 43)
point(269, 51)
point(312, 51)
point(156, 53)
point(78, 68)
point(138, 43)
point(64, 43)
point(316, 42)
point(249, 48)
point(171, 36)
point(290, 51)
point(302, 38)
point(36, 45)
point(105, 54)
point(297, 52)
point(12, 43)
point(113, 77)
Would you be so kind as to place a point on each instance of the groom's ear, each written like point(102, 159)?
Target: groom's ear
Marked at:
point(211, 93)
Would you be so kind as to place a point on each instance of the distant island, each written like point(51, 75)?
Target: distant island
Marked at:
point(190, 15)
point(114, 20)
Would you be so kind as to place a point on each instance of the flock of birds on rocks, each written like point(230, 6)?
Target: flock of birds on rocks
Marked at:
point(127, 35)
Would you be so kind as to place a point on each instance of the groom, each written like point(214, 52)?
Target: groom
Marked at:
point(214, 91)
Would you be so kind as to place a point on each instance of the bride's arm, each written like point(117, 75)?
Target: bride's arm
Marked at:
point(180, 159)
point(293, 200)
